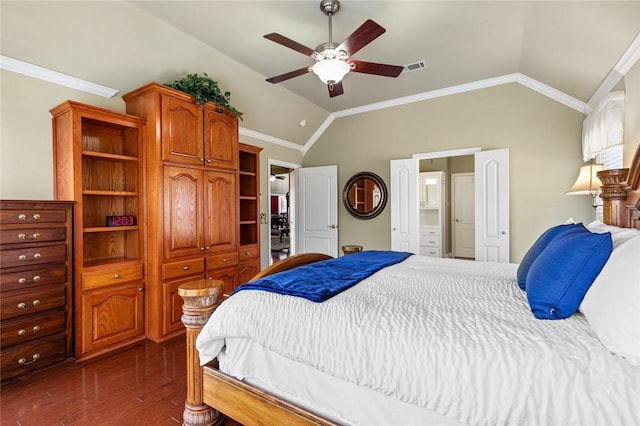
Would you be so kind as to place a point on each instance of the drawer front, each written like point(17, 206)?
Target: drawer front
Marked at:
point(429, 232)
point(15, 305)
point(8, 216)
point(32, 235)
point(430, 251)
point(249, 253)
point(33, 327)
point(103, 278)
point(179, 269)
point(30, 357)
point(222, 260)
point(32, 278)
point(430, 241)
point(30, 256)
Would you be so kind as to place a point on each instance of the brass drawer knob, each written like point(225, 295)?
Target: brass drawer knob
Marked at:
point(23, 305)
point(185, 268)
point(34, 358)
point(22, 216)
point(116, 276)
point(24, 332)
point(36, 278)
point(36, 216)
point(22, 280)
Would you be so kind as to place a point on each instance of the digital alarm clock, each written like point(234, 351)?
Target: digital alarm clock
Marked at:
point(121, 220)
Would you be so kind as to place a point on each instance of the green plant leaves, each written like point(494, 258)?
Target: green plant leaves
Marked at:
point(204, 89)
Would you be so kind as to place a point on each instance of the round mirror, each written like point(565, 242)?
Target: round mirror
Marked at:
point(365, 195)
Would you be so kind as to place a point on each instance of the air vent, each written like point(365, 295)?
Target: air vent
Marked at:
point(415, 66)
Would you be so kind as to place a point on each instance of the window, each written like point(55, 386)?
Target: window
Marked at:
point(611, 158)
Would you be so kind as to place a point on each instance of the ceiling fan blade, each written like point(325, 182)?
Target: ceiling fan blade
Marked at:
point(376, 69)
point(364, 35)
point(287, 42)
point(335, 89)
point(288, 75)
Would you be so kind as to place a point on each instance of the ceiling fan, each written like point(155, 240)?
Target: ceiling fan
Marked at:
point(333, 60)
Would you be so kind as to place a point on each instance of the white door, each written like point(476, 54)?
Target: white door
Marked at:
point(463, 214)
point(404, 205)
point(492, 205)
point(317, 210)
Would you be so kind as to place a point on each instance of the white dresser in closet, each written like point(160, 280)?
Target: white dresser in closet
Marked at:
point(431, 204)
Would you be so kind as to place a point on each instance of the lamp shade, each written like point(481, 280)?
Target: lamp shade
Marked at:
point(587, 182)
point(331, 70)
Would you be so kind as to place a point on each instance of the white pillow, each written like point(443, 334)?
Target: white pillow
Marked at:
point(618, 235)
point(612, 303)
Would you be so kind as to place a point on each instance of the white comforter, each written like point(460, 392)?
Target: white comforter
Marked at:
point(456, 337)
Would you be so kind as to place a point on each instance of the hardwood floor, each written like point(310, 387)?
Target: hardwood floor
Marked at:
point(141, 385)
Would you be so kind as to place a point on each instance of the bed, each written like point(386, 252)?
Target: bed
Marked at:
point(433, 341)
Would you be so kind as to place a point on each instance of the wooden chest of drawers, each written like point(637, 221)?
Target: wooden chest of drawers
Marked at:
point(35, 285)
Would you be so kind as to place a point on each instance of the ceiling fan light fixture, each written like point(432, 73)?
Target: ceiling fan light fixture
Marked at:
point(331, 70)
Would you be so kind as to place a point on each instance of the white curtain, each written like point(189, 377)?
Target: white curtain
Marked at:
point(604, 126)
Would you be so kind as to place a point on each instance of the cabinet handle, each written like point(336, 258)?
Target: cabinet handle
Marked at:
point(24, 332)
point(246, 253)
point(209, 160)
point(185, 268)
point(36, 278)
point(34, 358)
point(116, 276)
point(23, 216)
point(139, 288)
point(22, 280)
point(23, 236)
point(23, 305)
point(24, 256)
point(224, 260)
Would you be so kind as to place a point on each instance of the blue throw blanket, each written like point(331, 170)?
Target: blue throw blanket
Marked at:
point(322, 280)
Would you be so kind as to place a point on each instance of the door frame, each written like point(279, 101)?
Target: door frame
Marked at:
point(453, 153)
point(292, 200)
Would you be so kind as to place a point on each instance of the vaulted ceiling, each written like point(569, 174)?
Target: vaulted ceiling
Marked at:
point(570, 46)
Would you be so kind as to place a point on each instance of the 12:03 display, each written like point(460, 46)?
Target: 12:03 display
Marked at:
point(122, 220)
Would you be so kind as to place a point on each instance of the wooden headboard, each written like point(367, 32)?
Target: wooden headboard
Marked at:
point(620, 194)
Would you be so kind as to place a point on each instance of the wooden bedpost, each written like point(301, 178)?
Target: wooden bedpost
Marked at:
point(200, 300)
point(614, 196)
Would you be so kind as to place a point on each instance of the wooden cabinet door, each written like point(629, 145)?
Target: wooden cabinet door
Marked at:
point(183, 225)
point(220, 139)
point(220, 212)
point(229, 276)
point(247, 270)
point(112, 317)
point(181, 131)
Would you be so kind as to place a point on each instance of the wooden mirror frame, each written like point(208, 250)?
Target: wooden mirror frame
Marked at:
point(373, 212)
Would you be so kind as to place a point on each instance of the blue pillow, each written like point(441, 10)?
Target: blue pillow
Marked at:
point(560, 277)
point(537, 247)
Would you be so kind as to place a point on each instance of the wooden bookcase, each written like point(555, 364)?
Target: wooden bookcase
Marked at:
point(98, 162)
point(249, 209)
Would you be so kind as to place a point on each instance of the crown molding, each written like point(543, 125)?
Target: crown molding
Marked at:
point(630, 57)
point(316, 135)
point(522, 79)
point(271, 139)
point(25, 68)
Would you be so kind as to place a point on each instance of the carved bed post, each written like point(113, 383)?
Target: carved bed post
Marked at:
point(614, 196)
point(200, 300)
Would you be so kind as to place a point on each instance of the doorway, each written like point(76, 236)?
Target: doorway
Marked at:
point(281, 199)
